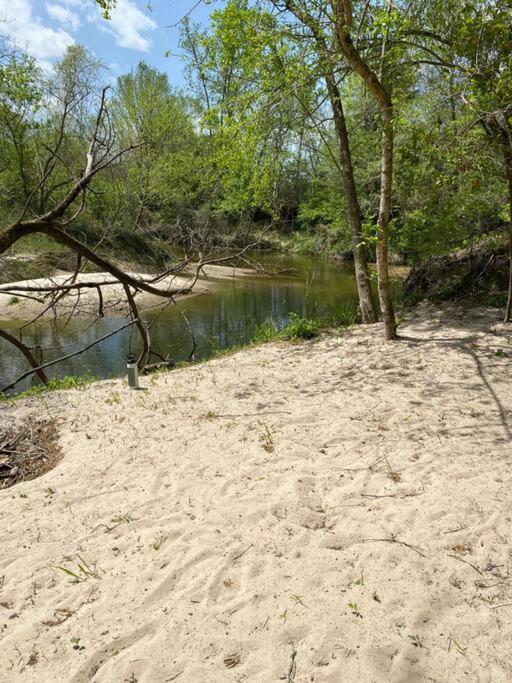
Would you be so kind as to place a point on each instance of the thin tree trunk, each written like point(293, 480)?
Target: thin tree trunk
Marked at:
point(386, 188)
point(376, 87)
point(353, 209)
point(502, 134)
point(368, 314)
point(508, 167)
point(26, 352)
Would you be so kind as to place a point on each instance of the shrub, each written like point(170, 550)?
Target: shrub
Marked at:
point(300, 327)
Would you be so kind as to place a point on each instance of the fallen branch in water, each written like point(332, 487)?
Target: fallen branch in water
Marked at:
point(69, 355)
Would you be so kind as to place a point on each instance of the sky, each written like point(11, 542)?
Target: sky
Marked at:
point(44, 28)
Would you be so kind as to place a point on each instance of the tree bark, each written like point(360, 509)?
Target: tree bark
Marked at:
point(507, 158)
point(26, 352)
point(386, 188)
point(368, 314)
point(353, 209)
point(376, 87)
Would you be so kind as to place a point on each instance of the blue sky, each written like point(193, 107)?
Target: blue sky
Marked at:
point(45, 27)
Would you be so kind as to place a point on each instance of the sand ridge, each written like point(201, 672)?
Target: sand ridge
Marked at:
point(334, 510)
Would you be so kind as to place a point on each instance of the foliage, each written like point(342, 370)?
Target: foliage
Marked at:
point(251, 139)
point(298, 327)
point(69, 382)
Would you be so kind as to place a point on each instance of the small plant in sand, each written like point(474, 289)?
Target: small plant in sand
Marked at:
point(394, 476)
point(355, 609)
point(415, 640)
point(266, 438)
point(297, 599)
point(113, 399)
point(33, 657)
point(458, 647)
point(158, 542)
point(13, 301)
point(122, 518)
point(360, 580)
point(76, 644)
point(210, 415)
point(81, 571)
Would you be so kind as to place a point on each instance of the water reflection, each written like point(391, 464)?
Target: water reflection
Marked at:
point(224, 317)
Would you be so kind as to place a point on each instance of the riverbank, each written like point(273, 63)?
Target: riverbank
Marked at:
point(335, 508)
point(85, 302)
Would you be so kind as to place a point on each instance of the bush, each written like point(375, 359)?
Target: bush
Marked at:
point(300, 327)
point(347, 314)
point(265, 332)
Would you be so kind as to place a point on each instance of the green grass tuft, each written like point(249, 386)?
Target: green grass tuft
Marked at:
point(298, 327)
point(301, 327)
point(68, 382)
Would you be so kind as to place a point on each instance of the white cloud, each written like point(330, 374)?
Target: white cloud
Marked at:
point(29, 31)
point(63, 15)
point(128, 24)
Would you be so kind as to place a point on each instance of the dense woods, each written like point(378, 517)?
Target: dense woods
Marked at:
point(373, 130)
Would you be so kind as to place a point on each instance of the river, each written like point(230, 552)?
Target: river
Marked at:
point(226, 316)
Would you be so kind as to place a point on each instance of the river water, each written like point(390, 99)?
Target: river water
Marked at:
point(226, 316)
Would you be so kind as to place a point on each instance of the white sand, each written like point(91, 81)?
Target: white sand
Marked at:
point(210, 548)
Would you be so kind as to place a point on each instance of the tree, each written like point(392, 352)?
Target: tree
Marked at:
point(376, 83)
point(481, 40)
point(328, 68)
point(248, 70)
point(20, 99)
point(165, 173)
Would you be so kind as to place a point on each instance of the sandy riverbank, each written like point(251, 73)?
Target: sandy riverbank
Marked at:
point(336, 510)
point(85, 302)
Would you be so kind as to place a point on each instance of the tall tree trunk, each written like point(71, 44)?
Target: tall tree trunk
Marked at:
point(378, 90)
point(368, 314)
point(386, 188)
point(353, 209)
point(507, 158)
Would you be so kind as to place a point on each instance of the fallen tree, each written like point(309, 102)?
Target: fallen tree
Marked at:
point(101, 154)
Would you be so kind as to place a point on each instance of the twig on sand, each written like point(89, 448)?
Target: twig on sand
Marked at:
point(360, 469)
point(268, 412)
point(466, 562)
point(395, 540)
point(293, 667)
point(237, 557)
point(452, 531)
point(392, 495)
point(505, 604)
